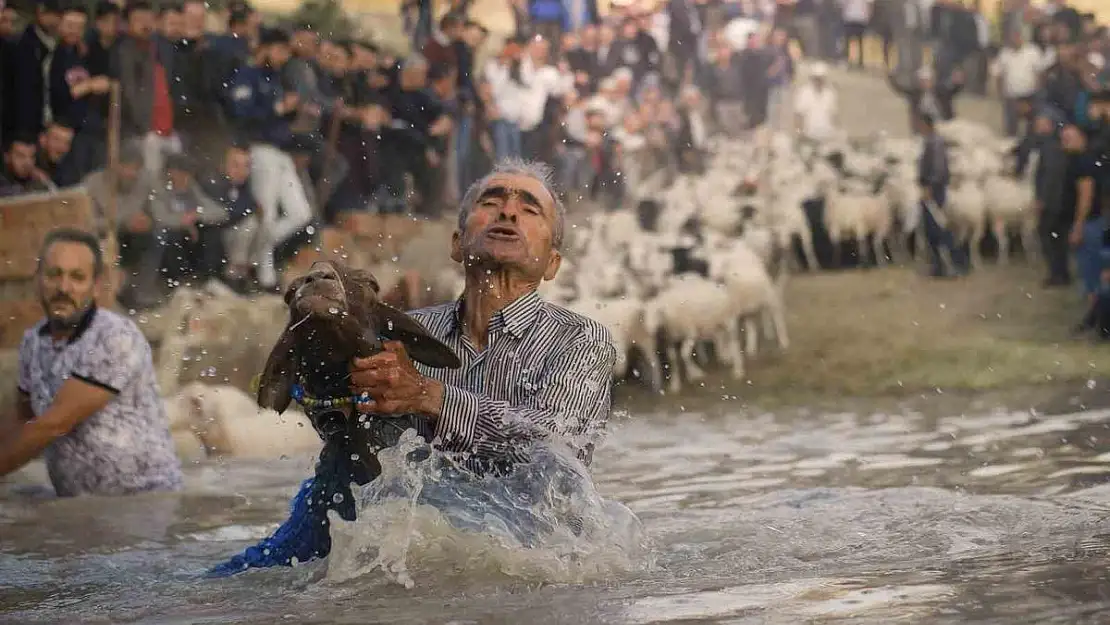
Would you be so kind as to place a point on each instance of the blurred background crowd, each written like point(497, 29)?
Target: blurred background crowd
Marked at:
point(241, 137)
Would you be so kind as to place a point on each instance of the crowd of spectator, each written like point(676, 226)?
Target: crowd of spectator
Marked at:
point(236, 146)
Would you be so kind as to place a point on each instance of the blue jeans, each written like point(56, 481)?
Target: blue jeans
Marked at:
point(462, 153)
point(506, 138)
point(938, 237)
point(1088, 256)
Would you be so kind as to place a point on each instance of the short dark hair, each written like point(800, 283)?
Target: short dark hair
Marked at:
point(172, 7)
point(136, 5)
point(439, 71)
point(105, 8)
point(24, 137)
point(60, 122)
point(48, 6)
point(74, 235)
point(75, 8)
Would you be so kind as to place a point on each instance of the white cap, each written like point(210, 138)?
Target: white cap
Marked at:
point(819, 70)
point(925, 73)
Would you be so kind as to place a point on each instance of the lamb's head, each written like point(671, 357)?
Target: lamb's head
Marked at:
point(335, 314)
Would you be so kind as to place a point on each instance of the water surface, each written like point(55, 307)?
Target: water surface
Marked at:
point(992, 517)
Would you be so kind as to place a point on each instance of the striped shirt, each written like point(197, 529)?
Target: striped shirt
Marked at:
point(545, 371)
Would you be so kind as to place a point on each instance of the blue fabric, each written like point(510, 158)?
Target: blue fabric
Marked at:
point(1088, 256)
point(306, 534)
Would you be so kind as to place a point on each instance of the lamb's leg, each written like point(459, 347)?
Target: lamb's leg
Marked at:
point(975, 243)
point(877, 245)
point(655, 368)
point(751, 337)
point(693, 372)
point(1000, 233)
point(675, 374)
point(834, 238)
point(861, 250)
point(808, 251)
point(1030, 240)
point(737, 353)
point(778, 316)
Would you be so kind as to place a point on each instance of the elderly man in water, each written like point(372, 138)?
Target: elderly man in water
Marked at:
point(530, 370)
point(87, 400)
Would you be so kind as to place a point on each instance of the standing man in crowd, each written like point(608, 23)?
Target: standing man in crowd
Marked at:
point(933, 178)
point(88, 398)
point(1082, 207)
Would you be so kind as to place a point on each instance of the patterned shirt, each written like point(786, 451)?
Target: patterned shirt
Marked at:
point(124, 448)
point(545, 370)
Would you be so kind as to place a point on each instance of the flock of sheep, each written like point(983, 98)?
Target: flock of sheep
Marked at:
point(692, 273)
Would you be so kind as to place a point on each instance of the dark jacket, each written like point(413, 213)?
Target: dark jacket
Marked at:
point(28, 96)
point(932, 166)
point(98, 61)
point(64, 173)
point(66, 69)
point(1048, 178)
point(253, 94)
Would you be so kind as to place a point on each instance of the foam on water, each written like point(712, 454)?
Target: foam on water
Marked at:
point(545, 522)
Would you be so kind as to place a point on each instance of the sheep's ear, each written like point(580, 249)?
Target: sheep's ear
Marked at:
point(423, 347)
point(275, 386)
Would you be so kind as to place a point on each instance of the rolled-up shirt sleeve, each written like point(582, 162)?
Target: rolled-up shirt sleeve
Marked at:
point(572, 402)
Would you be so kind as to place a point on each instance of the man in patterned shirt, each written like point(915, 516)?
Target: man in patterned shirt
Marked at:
point(530, 370)
point(87, 398)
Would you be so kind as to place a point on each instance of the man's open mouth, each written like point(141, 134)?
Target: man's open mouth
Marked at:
point(504, 233)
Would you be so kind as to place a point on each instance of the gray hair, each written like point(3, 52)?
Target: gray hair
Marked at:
point(514, 166)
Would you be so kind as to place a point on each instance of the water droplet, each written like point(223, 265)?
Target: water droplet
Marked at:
point(337, 498)
point(355, 457)
point(333, 311)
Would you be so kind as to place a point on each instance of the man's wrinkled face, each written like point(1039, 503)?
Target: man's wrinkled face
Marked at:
point(1043, 126)
point(21, 159)
point(72, 27)
point(56, 142)
point(67, 282)
point(511, 224)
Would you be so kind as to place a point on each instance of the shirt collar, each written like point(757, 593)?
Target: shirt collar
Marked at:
point(82, 326)
point(515, 318)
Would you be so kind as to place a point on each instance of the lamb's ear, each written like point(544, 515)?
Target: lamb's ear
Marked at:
point(275, 386)
point(423, 347)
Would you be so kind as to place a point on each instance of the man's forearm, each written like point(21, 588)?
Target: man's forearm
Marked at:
point(29, 441)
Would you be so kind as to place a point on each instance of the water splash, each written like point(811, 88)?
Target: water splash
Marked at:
point(545, 522)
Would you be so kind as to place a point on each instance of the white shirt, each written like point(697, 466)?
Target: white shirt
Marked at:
point(856, 11)
point(817, 108)
point(506, 91)
point(540, 83)
point(1020, 70)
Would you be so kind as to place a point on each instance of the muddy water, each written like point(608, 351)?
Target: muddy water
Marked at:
point(991, 516)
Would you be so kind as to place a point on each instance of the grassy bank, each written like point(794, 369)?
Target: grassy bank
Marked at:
point(891, 332)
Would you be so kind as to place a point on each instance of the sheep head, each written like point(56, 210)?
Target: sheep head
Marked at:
point(335, 314)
